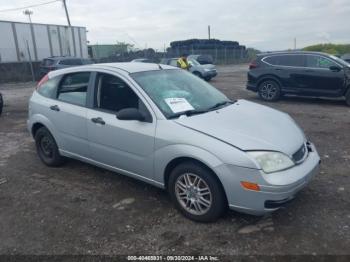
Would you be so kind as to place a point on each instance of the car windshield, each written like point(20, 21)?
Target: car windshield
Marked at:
point(177, 92)
point(339, 60)
point(193, 62)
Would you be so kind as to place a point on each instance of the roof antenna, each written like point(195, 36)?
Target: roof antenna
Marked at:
point(161, 68)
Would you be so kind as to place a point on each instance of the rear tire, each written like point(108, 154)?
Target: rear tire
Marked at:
point(269, 90)
point(1, 103)
point(47, 148)
point(196, 192)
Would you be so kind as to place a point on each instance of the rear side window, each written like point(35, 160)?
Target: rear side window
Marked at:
point(286, 60)
point(48, 62)
point(71, 62)
point(73, 88)
point(315, 61)
point(49, 88)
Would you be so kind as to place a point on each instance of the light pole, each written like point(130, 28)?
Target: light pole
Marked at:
point(28, 12)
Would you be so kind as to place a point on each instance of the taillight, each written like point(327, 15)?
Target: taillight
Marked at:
point(42, 81)
point(253, 65)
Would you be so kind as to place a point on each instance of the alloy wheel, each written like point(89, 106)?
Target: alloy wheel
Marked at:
point(268, 91)
point(193, 194)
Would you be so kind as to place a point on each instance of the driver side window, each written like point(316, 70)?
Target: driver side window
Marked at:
point(318, 62)
point(113, 94)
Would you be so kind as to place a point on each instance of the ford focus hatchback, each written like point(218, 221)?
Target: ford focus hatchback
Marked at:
point(169, 128)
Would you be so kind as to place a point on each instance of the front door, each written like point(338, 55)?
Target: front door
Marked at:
point(322, 81)
point(124, 144)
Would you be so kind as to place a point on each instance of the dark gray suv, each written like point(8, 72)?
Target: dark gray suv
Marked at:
point(59, 62)
point(272, 75)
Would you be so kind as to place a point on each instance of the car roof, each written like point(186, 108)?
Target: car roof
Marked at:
point(292, 53)
point(63, 58)
point(128, 67)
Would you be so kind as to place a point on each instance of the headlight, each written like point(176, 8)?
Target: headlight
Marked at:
point(207, 70)
point(271, 161)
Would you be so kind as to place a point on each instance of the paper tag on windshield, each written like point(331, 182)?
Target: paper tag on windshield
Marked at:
point(178, 104)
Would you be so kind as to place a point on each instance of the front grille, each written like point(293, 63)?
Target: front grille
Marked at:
point(300, 154)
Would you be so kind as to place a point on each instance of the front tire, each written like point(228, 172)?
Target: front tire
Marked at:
point(47, 148)
point(269, 90)
point(196, 192)
point(198, 74)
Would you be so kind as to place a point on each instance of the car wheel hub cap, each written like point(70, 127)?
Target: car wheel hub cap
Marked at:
point(193, 194)
point(268, 91)
point(46, 145)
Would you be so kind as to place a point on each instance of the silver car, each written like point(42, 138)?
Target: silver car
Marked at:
point(169, 128)
point(207, 71)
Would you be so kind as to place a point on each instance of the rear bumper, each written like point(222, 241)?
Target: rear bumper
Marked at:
point(276, 189)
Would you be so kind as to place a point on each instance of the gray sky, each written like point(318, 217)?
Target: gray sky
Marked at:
point(262, 24)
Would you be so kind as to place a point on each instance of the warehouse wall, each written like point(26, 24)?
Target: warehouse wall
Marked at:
point(21, 41)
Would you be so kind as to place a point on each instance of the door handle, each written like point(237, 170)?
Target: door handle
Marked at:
point(278, 69)
point(55, 108)
point(98, 120)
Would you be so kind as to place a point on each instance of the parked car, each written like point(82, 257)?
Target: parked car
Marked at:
point(299, 73)
point(164, 126)
point(1, 103)
point(202, 59)
point(206, 72)
point(59, 62)
point(142, 60)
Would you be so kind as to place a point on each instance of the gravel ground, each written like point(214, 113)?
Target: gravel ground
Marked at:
point(82, 209)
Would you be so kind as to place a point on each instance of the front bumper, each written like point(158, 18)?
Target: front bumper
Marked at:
point(210, 74)
point(276, 189)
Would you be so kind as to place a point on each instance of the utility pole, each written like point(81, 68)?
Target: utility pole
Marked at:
point(65, 8)
point(295, 43)
point(209, 32)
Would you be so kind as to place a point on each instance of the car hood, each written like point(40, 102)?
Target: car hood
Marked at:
point(208, 66)
point(249, 126)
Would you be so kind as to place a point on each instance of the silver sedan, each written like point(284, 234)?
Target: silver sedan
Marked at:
point(171, 129)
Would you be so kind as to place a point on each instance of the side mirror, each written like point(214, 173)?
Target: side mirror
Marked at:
point(335, 68)
point(130, 114)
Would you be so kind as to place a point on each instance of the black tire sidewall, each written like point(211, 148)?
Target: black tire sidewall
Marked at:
point(198, 74)
point(347, 97)
point(56, 158)
point(219, 203)
point(278, 92)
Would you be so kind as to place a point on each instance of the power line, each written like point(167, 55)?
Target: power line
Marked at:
point(28, 6)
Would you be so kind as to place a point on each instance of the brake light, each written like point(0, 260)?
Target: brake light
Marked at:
point(42, 81)
point(253, 65)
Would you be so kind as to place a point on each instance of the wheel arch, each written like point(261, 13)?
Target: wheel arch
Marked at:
point(179, 160)
point(269, 77)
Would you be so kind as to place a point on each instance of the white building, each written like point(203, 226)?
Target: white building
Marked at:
point(22, 41)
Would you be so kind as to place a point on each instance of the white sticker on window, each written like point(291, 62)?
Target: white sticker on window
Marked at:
point(178, 104)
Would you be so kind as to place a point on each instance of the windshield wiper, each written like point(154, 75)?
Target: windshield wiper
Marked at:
point(188, 113)
point(217, 105)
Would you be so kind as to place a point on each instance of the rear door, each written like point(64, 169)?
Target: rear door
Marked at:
point(124, 144)
point(68, 112)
